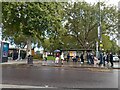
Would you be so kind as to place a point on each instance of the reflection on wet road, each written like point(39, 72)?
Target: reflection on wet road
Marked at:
point(60, 77)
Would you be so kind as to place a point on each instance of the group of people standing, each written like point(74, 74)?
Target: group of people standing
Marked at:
point(90, 57)
point(106, 57)
point(103, 58)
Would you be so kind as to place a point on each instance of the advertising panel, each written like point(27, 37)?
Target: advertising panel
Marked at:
point(4, 52)
point(5, 49)
point(72, 53)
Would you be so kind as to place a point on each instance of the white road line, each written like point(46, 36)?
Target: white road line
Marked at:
point(22, 86)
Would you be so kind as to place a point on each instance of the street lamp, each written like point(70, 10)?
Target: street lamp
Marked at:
point(99, 25)
point(98, 49)
point(119, 22)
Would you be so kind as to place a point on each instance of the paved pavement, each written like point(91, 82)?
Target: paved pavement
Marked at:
point(65, 64)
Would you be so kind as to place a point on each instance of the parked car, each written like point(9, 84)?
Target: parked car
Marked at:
point(116, 59)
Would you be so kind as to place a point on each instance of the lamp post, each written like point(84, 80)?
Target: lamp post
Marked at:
point(98, 48)
point(119, 22)
point(0, 43)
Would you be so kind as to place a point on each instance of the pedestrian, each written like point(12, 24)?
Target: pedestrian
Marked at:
point(45, 56)
point(107, 58)
point(82, 59)
point(14, 55)
point(111, 59)
point(95, 61)
point(101, 59)
point(92, 59)
point(62, 58)
point(68, 57)
point(29, 55)
point(104, 58)
point(88, 58)
point(77, 57)
point(57, 58)
point(74, 58)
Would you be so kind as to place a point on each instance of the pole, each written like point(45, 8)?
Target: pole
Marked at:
point(98, 49)
point(119, 23)
point(1, 32)
point(0, 43)
point(100, 26)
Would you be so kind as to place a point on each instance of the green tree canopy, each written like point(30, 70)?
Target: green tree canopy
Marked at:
point(22, 20)
point(83, 19)
point(58, 25)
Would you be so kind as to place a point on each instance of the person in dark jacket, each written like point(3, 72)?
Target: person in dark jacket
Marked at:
point(81, 57)
point(89, 57)
point(92, 58)
point(101, 59)
point(77, 57)
point(107, 58)
point(104, 58)
point(68, 57)
point(111, 59)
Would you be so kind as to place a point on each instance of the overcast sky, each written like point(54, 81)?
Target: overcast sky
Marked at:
point(108, 2)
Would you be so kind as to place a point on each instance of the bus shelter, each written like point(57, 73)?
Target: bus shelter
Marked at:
point(75, 52)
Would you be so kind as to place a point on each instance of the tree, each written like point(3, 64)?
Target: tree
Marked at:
point(61, 25)
point(106, 42)
point(30, 20)
point(83, 22)
point(115, 47)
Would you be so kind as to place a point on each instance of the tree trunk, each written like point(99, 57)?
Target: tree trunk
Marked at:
point(19, 54)
point(29, 45)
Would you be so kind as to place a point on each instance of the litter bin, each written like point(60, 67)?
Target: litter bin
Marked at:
point(30, 59)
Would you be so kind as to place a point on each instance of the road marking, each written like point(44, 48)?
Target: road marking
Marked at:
point(23, 86)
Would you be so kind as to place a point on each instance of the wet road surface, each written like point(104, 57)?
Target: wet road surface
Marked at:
point(60, 77)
